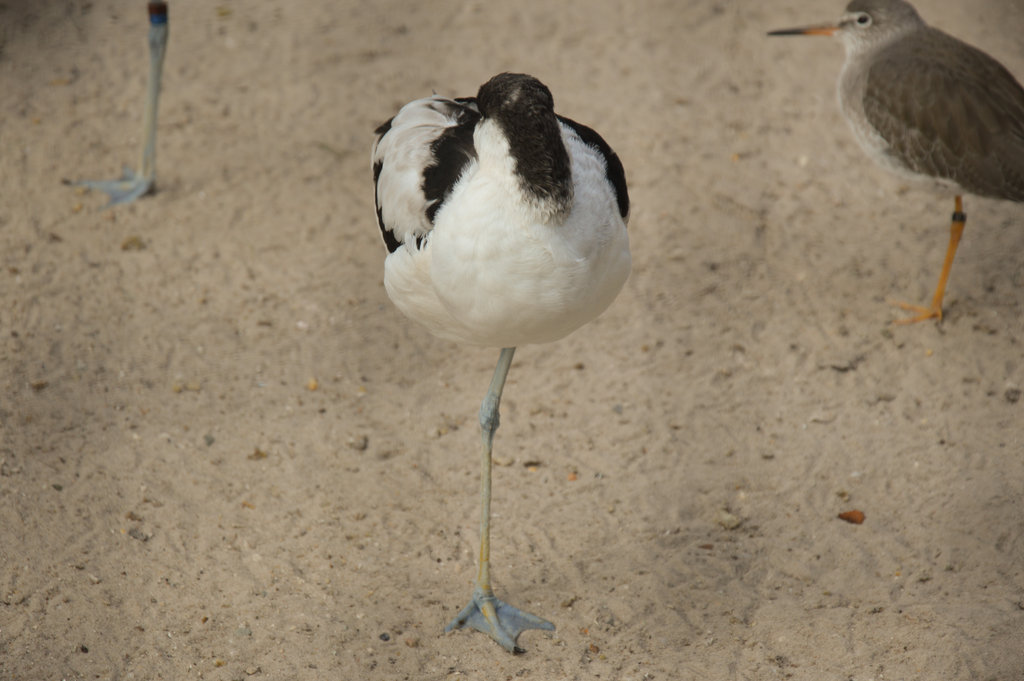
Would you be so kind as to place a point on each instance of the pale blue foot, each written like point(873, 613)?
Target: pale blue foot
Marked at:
point(496, 618)
point(131, 186)
point(136, 183)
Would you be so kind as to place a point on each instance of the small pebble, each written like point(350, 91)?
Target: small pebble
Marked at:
point(133, 243)
point(385, 636)
point(136, 533)
point(728, 520)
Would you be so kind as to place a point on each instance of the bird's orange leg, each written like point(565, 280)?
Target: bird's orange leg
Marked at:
point(934, 311)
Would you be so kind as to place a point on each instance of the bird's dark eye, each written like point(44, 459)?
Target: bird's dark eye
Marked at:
point(863, 19)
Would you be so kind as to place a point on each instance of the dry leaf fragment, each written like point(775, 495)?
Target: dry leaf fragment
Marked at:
point(856, 517)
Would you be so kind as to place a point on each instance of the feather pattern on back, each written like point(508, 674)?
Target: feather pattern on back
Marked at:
point(959, 120)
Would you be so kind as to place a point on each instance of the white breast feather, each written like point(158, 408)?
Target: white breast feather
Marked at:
point(495, 272)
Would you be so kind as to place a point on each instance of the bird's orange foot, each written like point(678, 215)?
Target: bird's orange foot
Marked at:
point(923, 313)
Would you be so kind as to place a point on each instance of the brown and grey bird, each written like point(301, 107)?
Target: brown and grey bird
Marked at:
point(929, 106)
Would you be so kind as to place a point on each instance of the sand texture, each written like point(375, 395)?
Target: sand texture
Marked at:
point(225, 455)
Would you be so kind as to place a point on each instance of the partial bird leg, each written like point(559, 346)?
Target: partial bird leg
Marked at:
point(134, 184)
point(934, 311)
point(485, 612)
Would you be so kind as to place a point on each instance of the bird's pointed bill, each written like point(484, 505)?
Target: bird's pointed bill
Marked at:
point(827, 29)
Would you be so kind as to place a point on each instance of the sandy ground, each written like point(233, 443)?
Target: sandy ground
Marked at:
point(176, 502)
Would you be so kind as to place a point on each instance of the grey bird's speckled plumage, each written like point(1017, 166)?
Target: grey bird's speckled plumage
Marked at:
point(944, 109)
point(929, 106)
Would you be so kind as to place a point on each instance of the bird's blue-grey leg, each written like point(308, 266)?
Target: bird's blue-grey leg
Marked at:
point(135, 183)
point(934, 311)
point(485, 612)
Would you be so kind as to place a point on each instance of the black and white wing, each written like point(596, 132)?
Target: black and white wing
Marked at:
point(613, 166)
point(418, 157)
